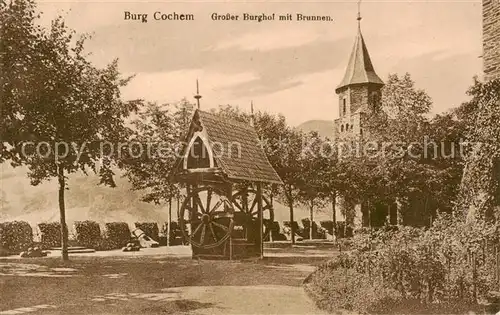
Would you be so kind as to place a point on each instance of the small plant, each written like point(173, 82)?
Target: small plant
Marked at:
point(449, 266)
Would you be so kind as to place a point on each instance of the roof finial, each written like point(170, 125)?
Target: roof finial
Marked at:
point(197, 96)
point(359, 14)
point(251, 114)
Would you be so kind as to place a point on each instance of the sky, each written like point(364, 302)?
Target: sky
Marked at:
point(288, 67)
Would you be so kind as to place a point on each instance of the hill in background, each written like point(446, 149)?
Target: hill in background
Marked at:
point(323, 127)
point(86, 200)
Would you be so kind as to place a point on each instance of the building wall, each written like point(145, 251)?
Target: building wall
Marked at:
point(359, 97)
point(339, 126)
point(491, 39)
point(343, 94)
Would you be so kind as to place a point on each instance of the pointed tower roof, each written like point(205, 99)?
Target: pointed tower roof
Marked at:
point(360, 68)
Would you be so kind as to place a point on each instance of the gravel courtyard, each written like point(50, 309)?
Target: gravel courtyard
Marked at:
point(159, 281)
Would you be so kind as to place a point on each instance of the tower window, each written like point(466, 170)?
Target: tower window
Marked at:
point(346, 127)
point(375, 100)
point(344, 106)
point(341, 128)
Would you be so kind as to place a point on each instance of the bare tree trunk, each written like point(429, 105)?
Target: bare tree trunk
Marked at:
point(261, 220)
point(311, 218)
point(271, 231)
point(178, 206)
point(334, 214)
point(62, 214)
point(292, 227)
point(290, 206)
point(169, 226)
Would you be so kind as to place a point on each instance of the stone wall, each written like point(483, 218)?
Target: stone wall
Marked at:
point(359, 97)
point(491, 39)
point(344, 94)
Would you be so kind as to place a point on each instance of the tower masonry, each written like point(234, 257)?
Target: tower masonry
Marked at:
point(359, 92)
point(491, 39)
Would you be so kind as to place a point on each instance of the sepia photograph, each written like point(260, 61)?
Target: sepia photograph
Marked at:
point(249, 157)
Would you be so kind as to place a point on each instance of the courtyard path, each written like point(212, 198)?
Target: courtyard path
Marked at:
point(150, 283)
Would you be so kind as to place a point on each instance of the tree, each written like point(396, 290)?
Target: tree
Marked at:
point(182, 114)
point(480, 187)
point(232, 112)
point(284, 155)
point(313, 189)
point(405, 155)
point(422, 163)
point(59, 109)
point(160, 128)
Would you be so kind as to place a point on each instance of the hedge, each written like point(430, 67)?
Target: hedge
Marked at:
point(296, 227)
point(343, 230)
point(117, 234)
point(50, 234)
point(316, 233)
point(15, 236)
point(150, 229)
point(327, 225)
point(176, 236)
point(88, 234)
point(4, 252)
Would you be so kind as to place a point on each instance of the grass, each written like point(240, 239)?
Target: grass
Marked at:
point(100, 276)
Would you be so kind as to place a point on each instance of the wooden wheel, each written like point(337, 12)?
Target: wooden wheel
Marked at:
point(206, 217)
point(246, 201)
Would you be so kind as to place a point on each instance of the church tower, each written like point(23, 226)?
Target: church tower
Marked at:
point(359, 92)
point(359, 95)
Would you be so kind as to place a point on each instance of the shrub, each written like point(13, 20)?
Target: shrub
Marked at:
point(335, 286)
point(150, 229)
point(117, 235)
point(50, 234)
point(298, 230)
point(88, 234)
point(327, 225)
point(445, 268)
point(175, 235)
point(105, 244)
point(4, 252)
point(317, 232)
point(15, 236)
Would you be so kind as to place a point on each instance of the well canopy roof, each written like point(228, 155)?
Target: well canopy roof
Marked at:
point(242, 156)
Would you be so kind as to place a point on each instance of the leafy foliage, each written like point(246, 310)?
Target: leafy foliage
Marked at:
point(316, 164)
point(150, 229)
point(117, 234)
point(160, 129)
point(406, 156)
point(88, 234)
point(451, 261)
point(15, 236)
point(50, 234)
point(480, 189)
point(57, 108)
